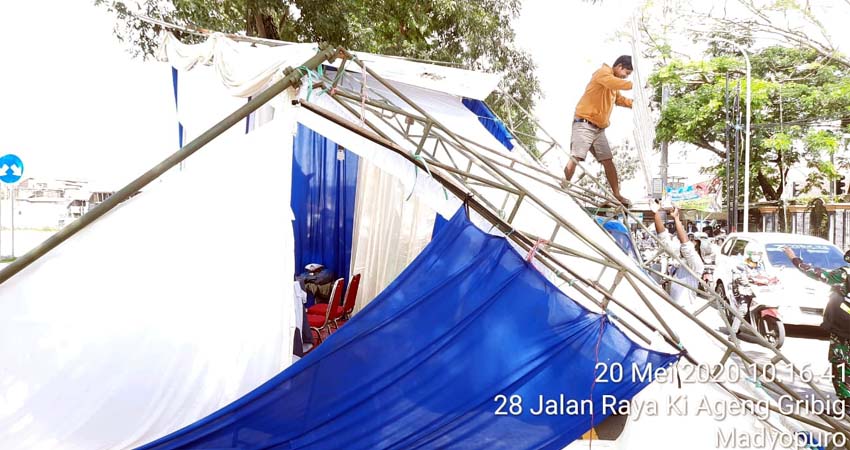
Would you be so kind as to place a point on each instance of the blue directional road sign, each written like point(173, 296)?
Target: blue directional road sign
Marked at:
point(11, 168)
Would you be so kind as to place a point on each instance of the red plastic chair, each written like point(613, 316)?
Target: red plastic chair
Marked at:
point(350, 297)
point(321, 318)
point(340, 312)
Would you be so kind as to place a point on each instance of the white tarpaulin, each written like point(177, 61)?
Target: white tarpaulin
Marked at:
point(245, 70)
point(161, 312)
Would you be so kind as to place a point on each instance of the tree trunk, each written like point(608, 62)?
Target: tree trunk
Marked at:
point(766, 188)
point(258, 24)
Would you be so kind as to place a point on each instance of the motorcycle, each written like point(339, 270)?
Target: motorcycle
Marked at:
point(764, 318)
point(708, 276)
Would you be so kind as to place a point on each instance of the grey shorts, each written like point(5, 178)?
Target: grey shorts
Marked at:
point(587, 137)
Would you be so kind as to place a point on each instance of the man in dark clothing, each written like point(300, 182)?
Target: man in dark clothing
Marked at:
point(836, 320)
point(317, 281)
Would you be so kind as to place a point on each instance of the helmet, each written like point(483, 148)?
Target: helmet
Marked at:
point(753, 252)
point(847, 256)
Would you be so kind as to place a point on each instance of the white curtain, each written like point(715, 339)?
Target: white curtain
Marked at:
point(171, 306)
point(390, 230)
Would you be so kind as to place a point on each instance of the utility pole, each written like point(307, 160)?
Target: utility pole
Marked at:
point(728, 157)
point(737, 162)
point(665, 95)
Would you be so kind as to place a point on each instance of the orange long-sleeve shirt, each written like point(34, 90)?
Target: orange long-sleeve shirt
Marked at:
point(600, 96)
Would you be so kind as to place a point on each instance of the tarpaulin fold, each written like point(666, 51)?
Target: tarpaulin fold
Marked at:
point(621, 236)
point(424, 364)
point(490, 121)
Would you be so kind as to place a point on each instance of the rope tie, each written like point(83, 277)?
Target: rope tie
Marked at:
point(533, 250)
point(611, 314)
point(311, 77)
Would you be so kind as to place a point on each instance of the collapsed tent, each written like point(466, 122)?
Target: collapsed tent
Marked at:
point(395, 127)
point(424, 364)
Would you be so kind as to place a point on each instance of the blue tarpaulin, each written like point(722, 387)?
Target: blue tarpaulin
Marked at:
point(621, 235)
point(323, 193)
point(425, 363)
point(490, 121)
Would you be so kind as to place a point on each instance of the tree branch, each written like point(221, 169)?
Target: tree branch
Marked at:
point(703, 143)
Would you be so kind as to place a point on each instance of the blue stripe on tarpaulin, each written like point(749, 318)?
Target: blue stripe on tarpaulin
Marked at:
point(176, 107)
point(621, 235)
point(490, 121)
point(422, 365)
point(323, 193)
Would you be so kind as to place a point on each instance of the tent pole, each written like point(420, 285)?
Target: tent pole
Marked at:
point(292, 78)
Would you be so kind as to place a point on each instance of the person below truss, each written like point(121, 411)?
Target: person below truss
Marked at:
point(592, 117)
point(836, 320)
point(683, 292)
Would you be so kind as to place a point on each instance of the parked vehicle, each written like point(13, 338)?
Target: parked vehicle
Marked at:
point(800, 300)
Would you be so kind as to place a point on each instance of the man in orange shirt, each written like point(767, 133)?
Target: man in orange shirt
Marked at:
point(592, 117)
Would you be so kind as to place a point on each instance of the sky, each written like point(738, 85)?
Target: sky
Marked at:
point(74, 104)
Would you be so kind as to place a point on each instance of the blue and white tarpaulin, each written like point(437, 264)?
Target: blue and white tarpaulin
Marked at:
point(425, 365)
point(490, 121)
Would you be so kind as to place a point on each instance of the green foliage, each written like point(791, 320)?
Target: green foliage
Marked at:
point(475, 34)
point(795, 94)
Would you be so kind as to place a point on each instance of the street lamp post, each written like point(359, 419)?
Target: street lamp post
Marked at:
point(746, 132)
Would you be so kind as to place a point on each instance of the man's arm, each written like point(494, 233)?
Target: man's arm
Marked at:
point(680, 230)
point(659, 225)
point(623, 101)
point(689, 253)
point(611, 82)
point(830, 277)
point(660, 230)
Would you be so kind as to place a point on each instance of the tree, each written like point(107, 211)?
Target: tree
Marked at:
point(624, 160)
point(798, 96)
point(797, 23)
point(475, 34)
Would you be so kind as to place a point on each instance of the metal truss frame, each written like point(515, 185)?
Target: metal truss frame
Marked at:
point(466, 168)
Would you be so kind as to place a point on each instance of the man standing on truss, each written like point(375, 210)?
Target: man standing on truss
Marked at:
point(592, 116)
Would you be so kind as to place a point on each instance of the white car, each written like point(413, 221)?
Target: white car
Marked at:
point(800, 299)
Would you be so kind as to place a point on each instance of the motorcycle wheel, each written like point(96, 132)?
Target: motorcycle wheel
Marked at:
point(772, 330)
point(727, 307)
